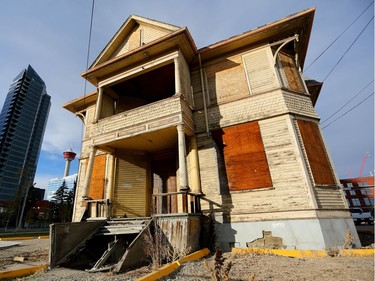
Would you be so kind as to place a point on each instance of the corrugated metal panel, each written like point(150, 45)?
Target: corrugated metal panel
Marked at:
point(260, 71)
point(130, 194)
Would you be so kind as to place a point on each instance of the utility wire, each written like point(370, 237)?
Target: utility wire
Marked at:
point(338, 36)
point(347, 102)
point(347, 50)
point(350, 109)
point(87, 64)
point(89, 43)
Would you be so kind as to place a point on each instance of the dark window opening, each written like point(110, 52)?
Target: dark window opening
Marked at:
point(144, 89)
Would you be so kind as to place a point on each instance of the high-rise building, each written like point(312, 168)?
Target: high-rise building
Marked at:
point(23, 121)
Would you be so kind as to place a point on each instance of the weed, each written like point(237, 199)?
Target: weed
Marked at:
point(220, 270)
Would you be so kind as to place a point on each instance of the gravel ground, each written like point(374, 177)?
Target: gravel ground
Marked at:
point(244, 266)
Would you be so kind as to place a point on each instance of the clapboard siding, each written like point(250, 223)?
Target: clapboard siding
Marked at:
point(289, 190)
point(329, 198)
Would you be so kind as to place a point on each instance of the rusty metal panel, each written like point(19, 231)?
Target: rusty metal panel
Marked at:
point(131, 186)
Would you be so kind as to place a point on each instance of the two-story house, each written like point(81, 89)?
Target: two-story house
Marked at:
point(223, 139)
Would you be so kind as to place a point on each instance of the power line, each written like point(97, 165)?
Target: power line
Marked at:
point(89, 43)
point(358, 104)
point(347, 50)
point(338, 37)
point(347, 102)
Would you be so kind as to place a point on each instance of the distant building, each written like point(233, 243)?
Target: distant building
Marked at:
point(54, 184)
point(359, 192)
point(23, 121)
point(39, 193)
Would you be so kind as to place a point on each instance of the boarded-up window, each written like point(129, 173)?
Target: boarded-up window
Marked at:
point(97, 178)
point(245, 159)
point(289, 72)
point(316, 154)
point(260, 71)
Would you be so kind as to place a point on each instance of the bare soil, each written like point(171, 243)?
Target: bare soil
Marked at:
point(245, 267)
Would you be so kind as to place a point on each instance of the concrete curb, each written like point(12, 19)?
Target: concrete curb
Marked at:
point(171, 267)
point(22, 271)
point(304, 253)
point(23, 238)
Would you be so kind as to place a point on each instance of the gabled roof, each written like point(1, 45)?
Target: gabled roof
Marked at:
point(299, 23)
point(133, 22)
point(127, 47)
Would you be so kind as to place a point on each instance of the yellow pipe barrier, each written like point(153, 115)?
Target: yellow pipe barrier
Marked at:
point(171, 267)
point(23, 238)
point(21, 272)
point(303, 253)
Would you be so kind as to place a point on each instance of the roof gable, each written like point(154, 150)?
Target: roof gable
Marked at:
point(135, 32)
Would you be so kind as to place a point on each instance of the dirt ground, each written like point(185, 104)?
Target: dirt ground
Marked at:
point(244, 267)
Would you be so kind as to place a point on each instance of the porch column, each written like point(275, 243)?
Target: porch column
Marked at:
point(195, 177)
point(111, 176)
point(89, 169)
point(177, 77)
point(98, 107)
point(182, 157)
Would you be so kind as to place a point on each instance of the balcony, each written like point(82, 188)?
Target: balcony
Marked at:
point(160, 116)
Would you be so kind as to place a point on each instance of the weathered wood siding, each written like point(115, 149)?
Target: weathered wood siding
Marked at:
point(135, 38)
point(289, 188)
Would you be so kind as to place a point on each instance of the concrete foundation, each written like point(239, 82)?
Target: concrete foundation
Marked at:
point(302, 234)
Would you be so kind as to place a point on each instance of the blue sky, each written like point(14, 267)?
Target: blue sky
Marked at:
point(52, 36)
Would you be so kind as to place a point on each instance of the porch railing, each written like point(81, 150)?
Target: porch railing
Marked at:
point(99, 208)
point(167, 203)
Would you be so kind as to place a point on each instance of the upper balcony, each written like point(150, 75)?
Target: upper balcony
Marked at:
point(155, 99)
point(148, 127)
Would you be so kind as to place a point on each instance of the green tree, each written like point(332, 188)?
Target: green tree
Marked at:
point(60, 201)
point(63, 200)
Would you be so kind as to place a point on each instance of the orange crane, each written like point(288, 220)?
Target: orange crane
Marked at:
point(363, 163)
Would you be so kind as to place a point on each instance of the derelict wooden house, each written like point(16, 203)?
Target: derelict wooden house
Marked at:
point(228, 131)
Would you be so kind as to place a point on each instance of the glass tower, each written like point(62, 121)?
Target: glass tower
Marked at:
point(55, 184)
point(23, 121)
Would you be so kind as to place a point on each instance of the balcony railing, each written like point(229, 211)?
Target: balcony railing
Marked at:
point(141, 117)
point(190, 202)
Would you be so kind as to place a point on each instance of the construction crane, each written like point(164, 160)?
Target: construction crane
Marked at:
point(363, 163)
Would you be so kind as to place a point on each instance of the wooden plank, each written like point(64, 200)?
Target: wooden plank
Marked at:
point(291, 72)
point(97, 179)
point(316, 154)
point(245, 158)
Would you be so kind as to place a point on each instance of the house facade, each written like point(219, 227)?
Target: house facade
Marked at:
point(227, 132)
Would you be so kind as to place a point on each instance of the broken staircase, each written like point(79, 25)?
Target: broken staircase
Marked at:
point(107, 245)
